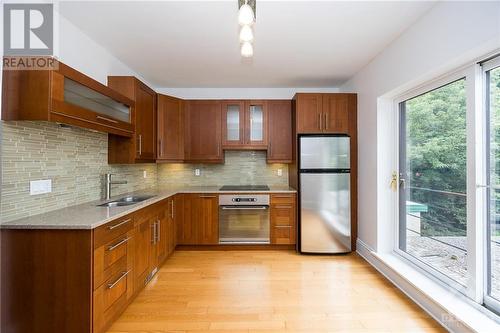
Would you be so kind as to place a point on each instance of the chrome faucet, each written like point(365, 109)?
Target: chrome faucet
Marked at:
point(109, 182)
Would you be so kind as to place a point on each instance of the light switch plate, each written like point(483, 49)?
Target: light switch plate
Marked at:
point(145, 174)
point(40, 186)
point(197, 172)
point(280, 172)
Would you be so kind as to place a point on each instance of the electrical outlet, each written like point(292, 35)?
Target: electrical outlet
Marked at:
point(197, 172)
point(145, 174)
point(280, 172)
point(40, 186)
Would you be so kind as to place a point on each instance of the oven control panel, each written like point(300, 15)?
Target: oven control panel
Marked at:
point(235, 199)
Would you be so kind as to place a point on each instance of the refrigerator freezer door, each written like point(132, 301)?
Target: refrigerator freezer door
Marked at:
point(324, 152)
point(325, 213)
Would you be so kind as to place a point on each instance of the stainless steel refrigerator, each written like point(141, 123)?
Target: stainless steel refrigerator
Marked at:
point(325, 198)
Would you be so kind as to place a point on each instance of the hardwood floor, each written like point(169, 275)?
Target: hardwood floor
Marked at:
point(270, 291)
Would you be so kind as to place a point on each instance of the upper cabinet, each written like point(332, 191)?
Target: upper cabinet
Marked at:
point(324, 113)
point(280, 131)
point(244, 124)
point(170, 129)
point(203, 131)
point(66, 96)
point(142, 147)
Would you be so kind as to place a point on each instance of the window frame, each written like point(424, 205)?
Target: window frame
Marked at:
point(472, 289)
point(490, 302)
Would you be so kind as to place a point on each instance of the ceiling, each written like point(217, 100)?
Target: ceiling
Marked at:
point(195, 43)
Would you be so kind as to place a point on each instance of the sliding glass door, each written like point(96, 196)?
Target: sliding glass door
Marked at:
point(432, 181)
point(492, 107)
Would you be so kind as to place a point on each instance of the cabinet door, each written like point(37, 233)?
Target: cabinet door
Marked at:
point(145, 104)
point(283, 213)
point(335, 113)
point(203, 131)
point(143, 241)
point(170, 128)
point(280, 131)
point(178, 213)
point(207, 211)
point(162, 237)
point(309, 109)
point(188, 227)
point(256, 127)
point(233, 123)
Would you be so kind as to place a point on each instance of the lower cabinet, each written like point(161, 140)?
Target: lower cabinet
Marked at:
point(200, 223)
point(283, 221)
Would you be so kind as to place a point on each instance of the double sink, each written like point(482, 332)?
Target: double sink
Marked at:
point(126, 201)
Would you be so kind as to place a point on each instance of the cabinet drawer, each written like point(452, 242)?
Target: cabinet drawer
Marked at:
point(283, 215)
point(110, 231)
point(111, 298)
point(283, 198)
point(283, 235)
point(109, 257)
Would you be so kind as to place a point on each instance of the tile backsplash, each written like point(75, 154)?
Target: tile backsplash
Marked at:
point(240, 168)
point(74, 159)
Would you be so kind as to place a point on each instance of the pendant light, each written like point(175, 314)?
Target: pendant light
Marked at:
point(246, 50)
point(246, 15)
point(246, 34)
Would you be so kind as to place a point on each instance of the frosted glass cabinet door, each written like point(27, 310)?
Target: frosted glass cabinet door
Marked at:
point(232, 122)
point(256, 123)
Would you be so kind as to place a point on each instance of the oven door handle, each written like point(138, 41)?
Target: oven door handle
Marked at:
point(246, 208)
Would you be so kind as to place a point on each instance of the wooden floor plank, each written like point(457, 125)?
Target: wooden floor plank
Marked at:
point(270, 291)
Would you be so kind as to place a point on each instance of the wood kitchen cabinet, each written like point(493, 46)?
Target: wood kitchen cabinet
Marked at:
point(244, 124)
point(283, 221)
point(280, 131)
point(324, 113)
point(65, 96)
point(200, 225)
point(203, 132)
point(170, 119)
point(141, 147)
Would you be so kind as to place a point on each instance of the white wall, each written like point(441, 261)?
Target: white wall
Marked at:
point(239, 93)
point(449, 35)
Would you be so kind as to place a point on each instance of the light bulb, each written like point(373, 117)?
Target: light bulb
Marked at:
point(246, 34)
point(246, 50)
point(246, 16)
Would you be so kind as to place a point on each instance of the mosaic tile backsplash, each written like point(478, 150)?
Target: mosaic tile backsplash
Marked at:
point(75, 160)
point(239, 168)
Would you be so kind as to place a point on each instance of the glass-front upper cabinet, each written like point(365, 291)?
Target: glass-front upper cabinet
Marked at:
point(256, 135)
point(233, 119)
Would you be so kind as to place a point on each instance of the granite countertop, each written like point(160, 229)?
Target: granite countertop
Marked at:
point(89, 215)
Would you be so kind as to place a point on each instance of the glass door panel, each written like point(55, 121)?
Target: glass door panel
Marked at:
point(432, 203)
point(256, 123)
point(233, 123)
point(493, 227)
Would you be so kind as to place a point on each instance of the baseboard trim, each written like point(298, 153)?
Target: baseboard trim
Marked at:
point(234, 247)
point(434, 309)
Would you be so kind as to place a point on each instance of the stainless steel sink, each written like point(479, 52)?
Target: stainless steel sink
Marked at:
point(126, 201)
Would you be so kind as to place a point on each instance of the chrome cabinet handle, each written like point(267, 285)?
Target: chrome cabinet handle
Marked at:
point(207, 196)
point(172, 209)
point(119, 224)
point(153, 233)
point(140, 144)
point(123, 241)
point(283, 207)
point(161, 147)
point(283, 196)
point(112, 285)
point(107, 119)
point(158, 230)
point(319, 121)
point(245, 208)
point(282, 226)
point(325, 125)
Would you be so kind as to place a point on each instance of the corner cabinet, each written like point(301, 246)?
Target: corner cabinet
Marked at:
point(141, 147)
point(244, 124)
point(66, 96)
point(203, 131)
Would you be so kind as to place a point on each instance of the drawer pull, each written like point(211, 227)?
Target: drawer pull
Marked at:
point(123, 241)
point(107, 119)
point(112, 285)
point(207, 196)
point(283, 207)
point(119, 224)
point(282, 226)
point(283, 196)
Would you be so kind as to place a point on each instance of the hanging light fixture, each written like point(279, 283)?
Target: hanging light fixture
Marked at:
point(246, 34)
point(246, 17)
point(246, 49)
